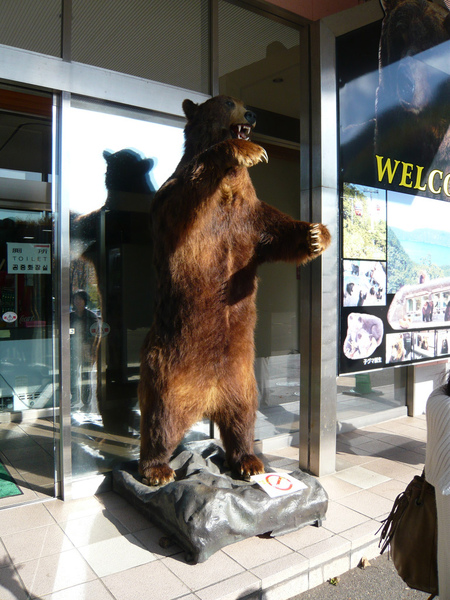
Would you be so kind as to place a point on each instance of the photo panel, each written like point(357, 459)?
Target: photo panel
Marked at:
point(418, 243)
point(399, 347)
point(363, 336)
point(364, 222)
point(443, 342)
point(364, 283)
point(424, 344)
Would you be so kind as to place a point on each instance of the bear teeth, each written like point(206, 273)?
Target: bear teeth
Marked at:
point(242, 132)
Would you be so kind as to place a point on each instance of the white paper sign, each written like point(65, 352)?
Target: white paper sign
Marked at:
point(29, 258)
point(278, 484)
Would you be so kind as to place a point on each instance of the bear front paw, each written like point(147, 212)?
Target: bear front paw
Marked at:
point(319, 239)
point(247, 154)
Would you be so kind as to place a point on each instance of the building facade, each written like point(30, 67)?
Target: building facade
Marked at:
point(91, 125)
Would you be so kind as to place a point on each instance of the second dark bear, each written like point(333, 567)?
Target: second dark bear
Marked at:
point(210, 233)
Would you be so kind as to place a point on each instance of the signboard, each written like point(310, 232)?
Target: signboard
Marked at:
point(9, 317)
point(29, 258)
point(394, 123)
point(278, 484)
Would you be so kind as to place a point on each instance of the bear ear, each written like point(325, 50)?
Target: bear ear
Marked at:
point(388, 5)
point(146, 165)
point(447, 23)
point(189, 108)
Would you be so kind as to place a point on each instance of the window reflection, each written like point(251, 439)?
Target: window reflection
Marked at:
point(26, 311)
point(84, 338)
point(268, 78)
point(111, 276)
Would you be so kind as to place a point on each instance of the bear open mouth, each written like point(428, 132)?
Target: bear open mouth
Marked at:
point(241, 131)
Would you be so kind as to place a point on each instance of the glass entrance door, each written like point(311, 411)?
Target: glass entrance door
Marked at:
point(112, 285)
point(27, 390)
point(26, 356)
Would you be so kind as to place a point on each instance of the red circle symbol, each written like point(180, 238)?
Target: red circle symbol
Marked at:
point(100, 328)
point(9, 316)
point(279, 482)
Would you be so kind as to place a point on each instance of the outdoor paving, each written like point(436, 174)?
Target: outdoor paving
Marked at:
point(101, 548)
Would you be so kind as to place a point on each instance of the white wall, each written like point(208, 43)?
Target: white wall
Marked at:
point(426, 378)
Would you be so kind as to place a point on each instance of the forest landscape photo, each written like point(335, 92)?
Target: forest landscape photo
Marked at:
point(364, 222)
point(418, 240)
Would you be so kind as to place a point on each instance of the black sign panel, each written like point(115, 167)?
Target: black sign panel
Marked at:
point(394, 127)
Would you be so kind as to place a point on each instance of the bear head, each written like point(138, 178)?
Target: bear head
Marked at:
point(412, 96)
point(218, 119)
point(127, 171)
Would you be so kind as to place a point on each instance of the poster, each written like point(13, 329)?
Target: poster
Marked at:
point(394, 140)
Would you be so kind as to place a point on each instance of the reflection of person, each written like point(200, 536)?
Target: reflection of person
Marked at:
point(447, 312)
point(84, 343)
point(437, 472)
point(407, 344)
point(427, 311)
point(423, 277)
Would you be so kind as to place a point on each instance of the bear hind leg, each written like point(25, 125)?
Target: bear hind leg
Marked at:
point(159, 438)
point(248, 465)
point(154, 457)
point(237, 433)
point(155, 473)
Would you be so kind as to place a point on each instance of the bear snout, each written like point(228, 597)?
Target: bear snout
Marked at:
point(250, 117)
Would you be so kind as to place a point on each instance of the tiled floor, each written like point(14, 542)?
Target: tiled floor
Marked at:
point(100, 548)
point(27, 445)
point(27, 450)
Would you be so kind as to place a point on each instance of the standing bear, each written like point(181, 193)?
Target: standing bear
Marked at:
point(210, 233)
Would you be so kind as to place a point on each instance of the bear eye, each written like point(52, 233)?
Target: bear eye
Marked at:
point(229, 103)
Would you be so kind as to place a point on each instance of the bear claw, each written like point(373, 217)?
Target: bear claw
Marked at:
point(248, 154)
point(319, 239)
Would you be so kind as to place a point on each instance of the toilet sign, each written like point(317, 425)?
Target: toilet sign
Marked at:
point(278, 484)
point(29, 258)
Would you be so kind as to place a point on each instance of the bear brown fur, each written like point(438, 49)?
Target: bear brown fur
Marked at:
point(210, 233)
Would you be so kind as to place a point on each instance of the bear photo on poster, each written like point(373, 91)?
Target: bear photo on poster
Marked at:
point(364, 335)
point(210, 233)
point(412, 120)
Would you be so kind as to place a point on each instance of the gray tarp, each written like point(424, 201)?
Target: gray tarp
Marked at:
point(206, 509)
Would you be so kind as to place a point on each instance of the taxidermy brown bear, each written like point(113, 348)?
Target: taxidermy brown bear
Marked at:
point(210, 233)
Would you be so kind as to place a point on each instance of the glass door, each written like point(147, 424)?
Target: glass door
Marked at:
point(112, 285)
point(267, 78)
point(27, 390)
